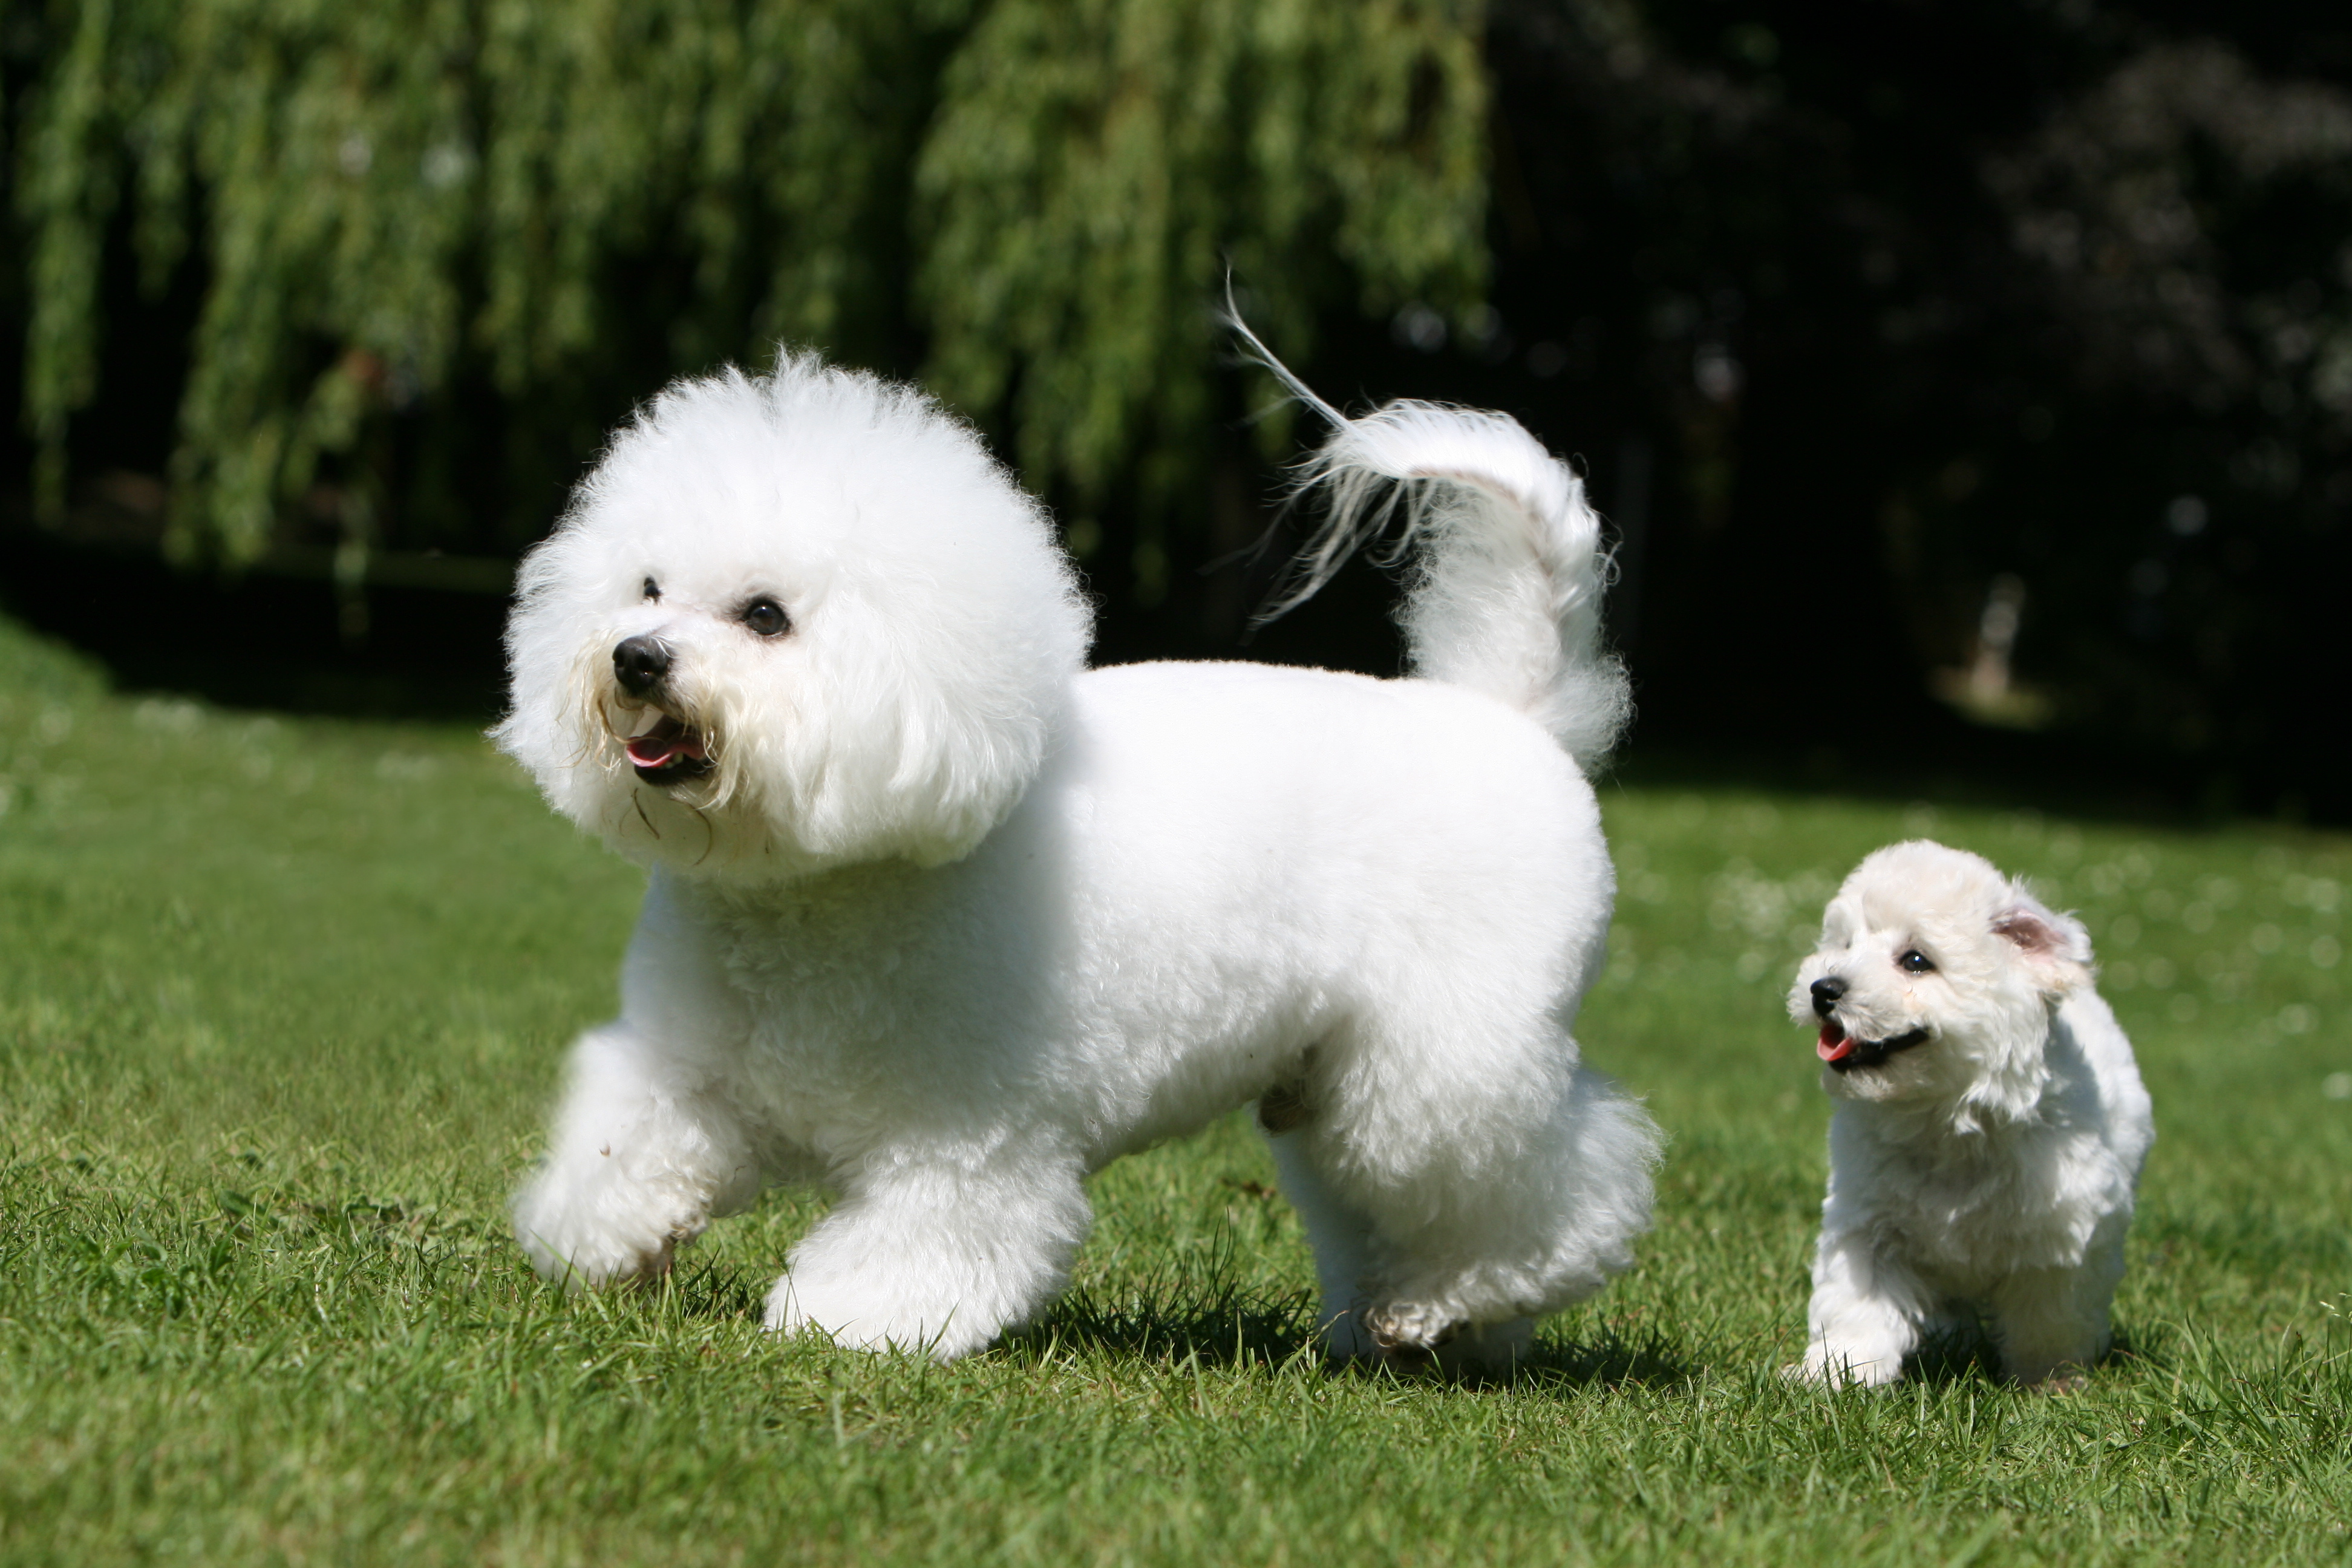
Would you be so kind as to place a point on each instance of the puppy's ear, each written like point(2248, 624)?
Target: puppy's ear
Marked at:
point(2056, 947)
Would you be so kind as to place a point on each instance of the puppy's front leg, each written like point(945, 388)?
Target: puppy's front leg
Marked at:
point(2054, 1321)
point(936, 1254)
point(640, 1158)
point(1864, 1315)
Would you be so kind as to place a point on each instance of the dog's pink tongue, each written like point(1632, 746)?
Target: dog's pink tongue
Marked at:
point(665, 743)
point(1834, 1045)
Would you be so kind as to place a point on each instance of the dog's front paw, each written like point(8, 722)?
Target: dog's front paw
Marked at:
point(862, 1320)
point(784, 1314)
point(603, 1264)
point(596, 1264)
point(588, 1246)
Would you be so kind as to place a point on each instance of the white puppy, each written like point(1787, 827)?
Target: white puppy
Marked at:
point(1989, 1125)
point(944, 921)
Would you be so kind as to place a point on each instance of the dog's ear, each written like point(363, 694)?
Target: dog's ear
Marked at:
point(922, 717)
point(2056, 947)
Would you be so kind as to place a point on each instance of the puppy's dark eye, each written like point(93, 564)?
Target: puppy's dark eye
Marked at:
point(1916, 963)
point(653, 589)
point(767, 617)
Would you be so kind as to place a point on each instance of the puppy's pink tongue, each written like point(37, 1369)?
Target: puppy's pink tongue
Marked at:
point(1834, 1045)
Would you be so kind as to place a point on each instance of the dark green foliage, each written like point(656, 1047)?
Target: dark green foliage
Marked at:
point(1093, 163)
point(408, 219)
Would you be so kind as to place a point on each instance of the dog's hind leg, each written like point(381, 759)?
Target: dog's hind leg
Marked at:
point(1341, 1237)
point(936, 1252)
point(642, 1155)
point(1486, 1199)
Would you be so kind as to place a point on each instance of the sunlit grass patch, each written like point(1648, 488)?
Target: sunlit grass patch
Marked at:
point(286, 1000)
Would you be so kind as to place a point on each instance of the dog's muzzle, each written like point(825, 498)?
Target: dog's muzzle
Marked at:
point(663, 748)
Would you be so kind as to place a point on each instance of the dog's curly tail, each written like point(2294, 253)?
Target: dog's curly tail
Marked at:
point(1509, 567)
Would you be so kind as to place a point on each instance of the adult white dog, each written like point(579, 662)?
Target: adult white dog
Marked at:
point(943, 920)
point(1990, 1127)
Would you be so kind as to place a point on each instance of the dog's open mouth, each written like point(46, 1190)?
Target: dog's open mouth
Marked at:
point(1845, 1053)
point(665, 749)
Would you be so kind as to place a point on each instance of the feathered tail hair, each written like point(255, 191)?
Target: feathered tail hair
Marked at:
point(1508, 566)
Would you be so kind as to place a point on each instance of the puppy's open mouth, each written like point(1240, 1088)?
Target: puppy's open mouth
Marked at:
point(1845, 1053)
point(665, 749)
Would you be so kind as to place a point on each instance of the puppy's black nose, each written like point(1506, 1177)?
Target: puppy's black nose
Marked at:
point(639, 664)
point(1826, 992)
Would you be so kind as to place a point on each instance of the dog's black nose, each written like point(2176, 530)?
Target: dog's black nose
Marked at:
point(1826, 992)
point(639, 664)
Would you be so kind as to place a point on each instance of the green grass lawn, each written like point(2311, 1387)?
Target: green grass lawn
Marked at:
point(284, 1001)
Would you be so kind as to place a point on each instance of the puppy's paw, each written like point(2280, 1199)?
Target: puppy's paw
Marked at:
point(2065, 1379)
point(1831, 1370)
point(1817, 1374)
point(2068, 1374)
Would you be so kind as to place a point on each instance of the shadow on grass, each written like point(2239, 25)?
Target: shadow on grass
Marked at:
point(1183, 1313)
point(1962, 1354)
point(711, 1290)
point(1176, 1314)
point(1208, 1319)
point(1612, 1361)
point(1970, 1353)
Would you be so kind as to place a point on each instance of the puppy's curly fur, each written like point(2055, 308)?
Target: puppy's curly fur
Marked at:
point(944, 920)
point(1990, 1127)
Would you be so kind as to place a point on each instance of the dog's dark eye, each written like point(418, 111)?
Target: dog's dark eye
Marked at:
point(1916, 963)
point(767, 617)
point(653, 589)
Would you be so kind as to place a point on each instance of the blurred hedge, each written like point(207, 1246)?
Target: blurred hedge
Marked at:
point(429, 241)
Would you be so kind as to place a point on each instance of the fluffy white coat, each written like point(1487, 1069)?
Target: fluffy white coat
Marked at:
point(944, 921)
point(1990, 1127)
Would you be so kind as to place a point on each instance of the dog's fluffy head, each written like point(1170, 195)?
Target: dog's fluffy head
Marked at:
point(1935, 979)
point(792, 622)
